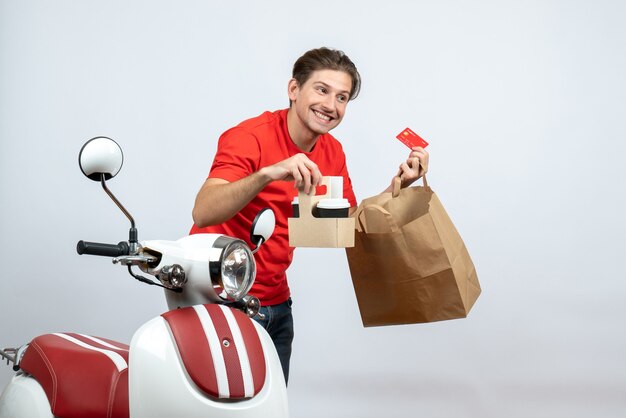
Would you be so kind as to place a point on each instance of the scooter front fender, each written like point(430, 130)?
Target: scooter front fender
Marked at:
point(159, 384)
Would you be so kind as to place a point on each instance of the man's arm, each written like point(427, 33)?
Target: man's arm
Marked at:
point(219, 200)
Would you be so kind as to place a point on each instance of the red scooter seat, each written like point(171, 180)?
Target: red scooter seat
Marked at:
point(85, 376)
point(82, 376)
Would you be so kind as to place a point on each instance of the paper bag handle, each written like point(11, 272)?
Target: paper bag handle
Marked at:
point(362, 225)
point(397, 183)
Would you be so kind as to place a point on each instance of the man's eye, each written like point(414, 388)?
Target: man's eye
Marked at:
point(342, 98)
point(321, 90)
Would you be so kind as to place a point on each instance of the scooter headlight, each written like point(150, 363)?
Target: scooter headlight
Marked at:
point(234, 270)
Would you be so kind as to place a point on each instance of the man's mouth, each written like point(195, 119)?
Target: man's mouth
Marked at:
point(322, 116)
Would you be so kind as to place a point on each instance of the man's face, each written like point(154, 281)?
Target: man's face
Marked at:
point(321, 101)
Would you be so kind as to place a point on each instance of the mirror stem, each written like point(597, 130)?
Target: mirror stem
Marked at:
point(132, 239)
point(117, 202)
point(258, 245)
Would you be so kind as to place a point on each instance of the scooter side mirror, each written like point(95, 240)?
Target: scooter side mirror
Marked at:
point(100, 156)
point(262, 227)
point(100, 159)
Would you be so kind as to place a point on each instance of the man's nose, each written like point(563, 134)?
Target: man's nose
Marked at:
point(329, 103)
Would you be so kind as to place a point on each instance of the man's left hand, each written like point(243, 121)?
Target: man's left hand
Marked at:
point(414, 167)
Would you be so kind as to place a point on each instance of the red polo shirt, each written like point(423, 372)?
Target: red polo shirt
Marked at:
point(243, 150)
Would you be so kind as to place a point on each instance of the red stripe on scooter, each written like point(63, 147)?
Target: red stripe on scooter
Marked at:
point(194, 348)
point(229, 351)
point(254, 349)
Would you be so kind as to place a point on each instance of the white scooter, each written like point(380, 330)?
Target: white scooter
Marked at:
point(205, 358)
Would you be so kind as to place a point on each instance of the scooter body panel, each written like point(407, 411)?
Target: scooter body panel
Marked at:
point(24, 397)
point(192, 253)
point(159, 384)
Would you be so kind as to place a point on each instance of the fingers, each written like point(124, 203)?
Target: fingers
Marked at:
point(299, 168)
point(405, 170)
point(419, 153)
point(297, 177)
point(415, 166)
point(422, 157)
point(305, 172)
point(306, 179)
point(315, 175)
point(410, 171)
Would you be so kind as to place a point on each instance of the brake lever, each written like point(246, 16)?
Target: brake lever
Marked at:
point(134, 260)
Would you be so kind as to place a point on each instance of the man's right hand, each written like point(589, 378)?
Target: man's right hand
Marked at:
point(298, 168)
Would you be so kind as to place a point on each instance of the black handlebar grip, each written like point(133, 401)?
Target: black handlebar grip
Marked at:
point(105, 250)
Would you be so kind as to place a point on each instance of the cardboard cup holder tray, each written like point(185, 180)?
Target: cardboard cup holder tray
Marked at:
point(309, 231)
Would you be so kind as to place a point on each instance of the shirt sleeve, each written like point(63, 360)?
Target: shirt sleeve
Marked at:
point(238, 155)
point(348, 192)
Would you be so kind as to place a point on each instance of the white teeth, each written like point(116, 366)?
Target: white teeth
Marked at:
point(321, 115)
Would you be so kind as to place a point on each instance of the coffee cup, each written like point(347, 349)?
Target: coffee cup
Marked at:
point(333, 208)
point(336, 187)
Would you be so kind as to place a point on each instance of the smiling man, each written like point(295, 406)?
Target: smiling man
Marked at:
point(259, 161)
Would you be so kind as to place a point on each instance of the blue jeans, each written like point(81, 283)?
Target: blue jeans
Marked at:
point(278, 323)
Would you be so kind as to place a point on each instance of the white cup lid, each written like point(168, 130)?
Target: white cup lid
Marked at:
point(333, 204)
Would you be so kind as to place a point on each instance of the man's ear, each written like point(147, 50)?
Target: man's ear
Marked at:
point(292, 89)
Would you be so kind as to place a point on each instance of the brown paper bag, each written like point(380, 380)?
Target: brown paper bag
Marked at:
point(409, 263)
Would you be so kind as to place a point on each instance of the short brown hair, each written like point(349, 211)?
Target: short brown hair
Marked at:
point(326, 59)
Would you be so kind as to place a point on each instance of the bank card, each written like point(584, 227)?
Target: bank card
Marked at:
point(411, 139)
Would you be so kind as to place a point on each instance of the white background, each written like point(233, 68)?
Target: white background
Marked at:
point(524, 106)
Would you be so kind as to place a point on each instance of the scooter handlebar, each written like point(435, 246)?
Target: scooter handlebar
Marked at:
point(105, 250)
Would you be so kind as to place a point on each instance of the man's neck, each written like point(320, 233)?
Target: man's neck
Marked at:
point(301, 137)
